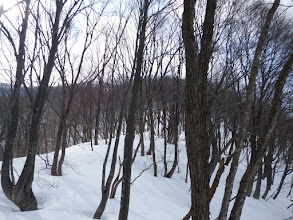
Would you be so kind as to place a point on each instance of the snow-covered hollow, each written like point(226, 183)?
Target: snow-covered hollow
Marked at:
point(76, 194)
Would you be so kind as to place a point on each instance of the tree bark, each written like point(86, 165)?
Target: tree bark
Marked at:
point(197, 142)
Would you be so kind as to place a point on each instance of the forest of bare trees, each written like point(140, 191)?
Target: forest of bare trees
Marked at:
point(219, 72)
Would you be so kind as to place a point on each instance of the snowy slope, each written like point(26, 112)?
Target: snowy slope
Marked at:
point(77, 194)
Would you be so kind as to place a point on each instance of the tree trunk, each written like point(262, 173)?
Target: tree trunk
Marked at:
point(21, 194)
point(141, 122)
point(57, 146)
point(176, 124)
point(130, 129)
point(64, 145)
point(98, 111)
point(268, 170)
point(196, 122)
point(7, 184)
point(253, 142)
point(217, 178)
point(229, 186)
point(282, 181)
point(164, 126)
point(61, 129)
point(165, 141)
point(152, 140)
point(256, 193)
point(105, 187)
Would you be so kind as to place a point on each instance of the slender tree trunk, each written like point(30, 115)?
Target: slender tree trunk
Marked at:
point(229, 186)
point(253, 142)
point(106, 187)
point(176, 124)
point(98, 111)
point(61, 129)
point(141, 123)
point(164, 126)
point(64, 145)
point(152, 140)
point(268, 170)
point(57, 146)
point(217, 178)
point(165, 142)
point(282, 181)
point(130, 129)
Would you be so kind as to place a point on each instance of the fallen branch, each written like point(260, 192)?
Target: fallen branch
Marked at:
point(142, 173)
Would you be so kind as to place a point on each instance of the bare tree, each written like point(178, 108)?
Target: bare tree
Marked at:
point(197, 143)
point(21, 193)
point(106, 184)
point(25, 202)
point(75, 70)
point(246, 111)
point(265, 138)
point(130, 130)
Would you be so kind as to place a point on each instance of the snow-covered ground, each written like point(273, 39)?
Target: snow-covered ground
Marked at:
point(76, 194)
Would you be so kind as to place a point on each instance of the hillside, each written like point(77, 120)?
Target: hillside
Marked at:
point(76, 195)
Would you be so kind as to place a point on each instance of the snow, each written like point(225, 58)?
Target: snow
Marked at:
point(76, 194)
